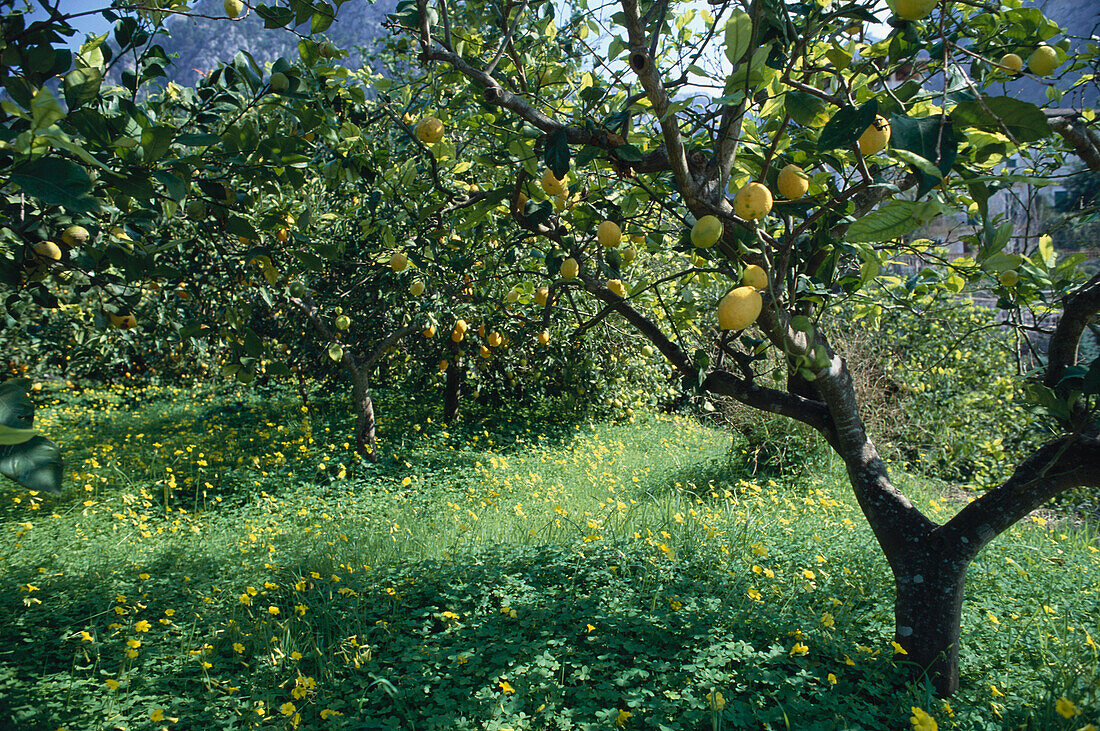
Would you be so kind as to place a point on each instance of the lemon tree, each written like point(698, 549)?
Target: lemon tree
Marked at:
point(739, 284)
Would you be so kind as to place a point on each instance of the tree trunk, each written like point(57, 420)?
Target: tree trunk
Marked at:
point(928, 615)
point(365, 443)
point(454, 390)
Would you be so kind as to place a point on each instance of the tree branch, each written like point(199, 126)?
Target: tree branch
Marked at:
point(1077, 309)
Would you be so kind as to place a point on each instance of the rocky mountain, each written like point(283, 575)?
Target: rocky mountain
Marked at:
point(200, 43)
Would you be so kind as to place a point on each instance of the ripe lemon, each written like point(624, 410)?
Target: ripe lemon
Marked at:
point(512, 296)
point(429, 130)
point(429, 331)
point(754, 277)
point(416, 288)
point(485, 352)
point(609, 234)
point(398, 262)
point(46, 251)
point(753, 202)
point(569, 268)
point(1043, 60)
point(123, 322)
point(551, 185)
point(706, 232)
point(874, 138)
point(443, 365)
point(457, 335)
point(793, 183)
point(495, 339)
point(628, 254)
point(616, 286)
point(461, 326)
point(914, 9)
point(544, 337)
point(540, 296)
point(739, 308)
point(233, 8)
point(74, 236)
point(1013, 62)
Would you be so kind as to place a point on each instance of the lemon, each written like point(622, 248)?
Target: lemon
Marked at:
point(647, 351)
point(443, 365)
point(609, 234)
point(540, 296)
point(485, 352)
point(793, 183)
point(429, 130)
point(874, 138)
point(461, 326)
point(457, 335)
point(569, 268)
point(616, 286)
point(416, 288)
point(913, 9)
point(233, 8)
point(752, 202)
point(739, 308)
point(551, 185)
point(123, 322)
point(706, 232)
point(1009, 278)
point(495, 339)
point(512, 296)
point(343, 322)
point(1042, 60)
point(754, 277)
point(544, 337)
point(628, 254)
point(398, 262)
point(74, 236)
point(46, 251)
point(279, 82)
point(429, 331)
point(1012, 61)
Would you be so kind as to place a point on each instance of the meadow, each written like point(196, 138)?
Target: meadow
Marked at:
point(218, 561)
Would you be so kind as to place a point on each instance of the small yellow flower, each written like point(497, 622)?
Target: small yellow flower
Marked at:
point(111, 683)
point(328, 713)
point(169, 612)
point(809, 574)
point(622, 718)
point(898, 649)
point(1066, 708)
point(716, 700)
point(295, 655)
point(157, 715)
point(238, 647)
point(133, 644)
point(994, 691)
point(273, 610)
point(831, 678)
point(287, 708)
point(505, 687)
point(922, 721)
point(86, 636)
point(142, 626)
point(799, 649)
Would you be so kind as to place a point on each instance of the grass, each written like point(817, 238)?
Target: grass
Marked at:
point(217, 561)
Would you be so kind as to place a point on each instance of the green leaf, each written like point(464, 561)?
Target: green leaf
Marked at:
point(928, 144)
point(57, 182)
point(846, 126)
point(8, 435)
point(322, 19)
point(557, 153)
point(197, 140)
point(274, 17)
point(738, 36)
point(45, 109)
point(1024, 121)
point(35, 464)
point(891, 220)
point(806, 109)
point(16, 407)
point(82, 86)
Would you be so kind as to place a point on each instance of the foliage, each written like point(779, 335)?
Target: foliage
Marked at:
point(585, 570)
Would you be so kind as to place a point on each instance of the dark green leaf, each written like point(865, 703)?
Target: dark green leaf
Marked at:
point(557, 153)
point(57, 182)
point(846, 126)
point(16, 408)
point(932, 138)
point(1024, 121)
point(34, 464)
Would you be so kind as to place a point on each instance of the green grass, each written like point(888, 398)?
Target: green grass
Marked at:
point(220, 558)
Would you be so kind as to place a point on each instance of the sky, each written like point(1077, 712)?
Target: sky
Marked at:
point(93, 24)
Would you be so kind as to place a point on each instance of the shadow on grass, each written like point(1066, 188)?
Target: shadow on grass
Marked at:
point(538, 637)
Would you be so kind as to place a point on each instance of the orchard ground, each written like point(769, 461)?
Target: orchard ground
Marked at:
point(215, 561)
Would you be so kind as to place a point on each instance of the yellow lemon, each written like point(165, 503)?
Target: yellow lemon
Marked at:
point(1042, 60)
point(429, 331)
point(1012, 62)
point(793, 183)
point(706, 232)
point(46, 251)
point(569, 268)
point(74, 235)
point(874, 138)
point(485, 352)
point(429, 130)
point(461, 326)
point(343, 322)
point(495, 339)
point(616, 286)
point(544, 337)
point(416, 288)
point(609, 234)
point(123, 322)
point(233, 8)
point(628, 254)
point(398, 262)
point(739, 308)
point(914, 9)
point(541, 294)
point(753, 202)
point(754, 277)
point(512, 296)
point(443, 365)
point(551, 185)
